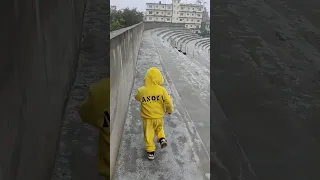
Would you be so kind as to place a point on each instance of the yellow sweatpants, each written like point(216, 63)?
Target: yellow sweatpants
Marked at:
point(151, 126)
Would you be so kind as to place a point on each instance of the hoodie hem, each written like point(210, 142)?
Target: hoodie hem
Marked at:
point(154, 117)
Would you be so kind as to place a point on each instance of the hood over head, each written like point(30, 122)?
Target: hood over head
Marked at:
point(153, 77)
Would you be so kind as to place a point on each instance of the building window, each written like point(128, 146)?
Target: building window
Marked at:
point(186, 25)
point(168, 19)
point(157, 12)
point(156, 18)
point(192, 14)
point(192, 8)
point(161, 12)
point(180, 19)
point(161, 18)
point(150, 18)
point(156, 6)
point(162, 6)
point(182, 8)
point(199, 15)
point(198, 20)
point(150, 12)
point(181, 14)
point(187, 19)
point(188, 14)
point(192, 20)
point(150, 6)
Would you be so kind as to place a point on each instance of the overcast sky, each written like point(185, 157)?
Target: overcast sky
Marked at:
point(141, 4)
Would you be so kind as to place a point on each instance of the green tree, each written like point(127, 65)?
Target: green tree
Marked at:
point(205, 33)
point(132, 16)
point(203, 30)
point(124, 18)
point(117, 24)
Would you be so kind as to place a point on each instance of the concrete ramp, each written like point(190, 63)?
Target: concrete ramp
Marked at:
point(186, 157)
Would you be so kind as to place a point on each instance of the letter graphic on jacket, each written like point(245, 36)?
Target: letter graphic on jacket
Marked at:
point(154, 98)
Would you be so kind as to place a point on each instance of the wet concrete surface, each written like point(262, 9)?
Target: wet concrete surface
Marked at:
point(191, 77)
point(265, 66)
point(186, 156)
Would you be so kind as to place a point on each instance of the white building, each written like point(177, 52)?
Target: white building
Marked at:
point(188, 14)
point(158, 12)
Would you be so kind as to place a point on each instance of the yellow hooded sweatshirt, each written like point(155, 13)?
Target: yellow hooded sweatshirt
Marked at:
point(153, 97)
point(95, 111)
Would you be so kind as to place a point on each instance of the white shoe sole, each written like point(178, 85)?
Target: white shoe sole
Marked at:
point(150, 158)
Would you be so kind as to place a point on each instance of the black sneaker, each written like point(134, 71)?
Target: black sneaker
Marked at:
point(163, 142)
point(150, 155)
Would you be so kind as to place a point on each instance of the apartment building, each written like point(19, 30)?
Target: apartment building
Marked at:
point(188, 14)
point(158, 12)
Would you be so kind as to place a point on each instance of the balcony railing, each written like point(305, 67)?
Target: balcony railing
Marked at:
point(164, 15)
point(196, 17)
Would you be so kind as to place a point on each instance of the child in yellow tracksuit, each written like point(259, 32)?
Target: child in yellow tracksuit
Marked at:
point(154, 101)
point(95, 111)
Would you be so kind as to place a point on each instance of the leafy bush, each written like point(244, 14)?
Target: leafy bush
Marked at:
point(124, 18)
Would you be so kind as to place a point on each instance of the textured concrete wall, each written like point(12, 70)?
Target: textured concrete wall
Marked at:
point(153, 25)
point(39, 41)
point(124, 48)
point(77, 157)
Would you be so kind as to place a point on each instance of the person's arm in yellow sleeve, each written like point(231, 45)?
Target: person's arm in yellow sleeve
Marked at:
point(88, 113)
point(138, 95)
point(167, 101)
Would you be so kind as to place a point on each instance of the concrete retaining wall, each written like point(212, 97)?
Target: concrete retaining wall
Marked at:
point(39, 47)
point(153, 25)
point(124, 48)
